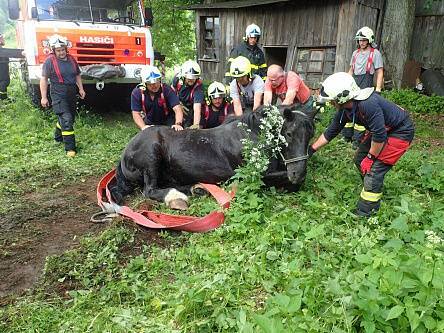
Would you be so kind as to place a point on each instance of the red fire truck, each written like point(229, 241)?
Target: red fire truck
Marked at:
point(110, 39)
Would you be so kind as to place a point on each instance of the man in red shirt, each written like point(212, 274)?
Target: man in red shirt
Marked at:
point(288, 87)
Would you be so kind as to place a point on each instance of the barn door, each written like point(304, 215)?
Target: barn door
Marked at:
point(369, 15)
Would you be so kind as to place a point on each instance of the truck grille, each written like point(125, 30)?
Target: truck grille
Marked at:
point(93, 53)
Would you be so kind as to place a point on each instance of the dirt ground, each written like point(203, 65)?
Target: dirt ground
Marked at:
point(52, 223)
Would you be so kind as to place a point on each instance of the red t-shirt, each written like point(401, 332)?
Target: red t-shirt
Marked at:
point(292, 81)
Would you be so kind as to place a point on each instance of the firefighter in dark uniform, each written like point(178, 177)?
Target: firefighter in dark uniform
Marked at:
point(366, 66)
point(218, 108)
point(389, 132)
point(188, 87)
point(250, 49)
point(4, 72)
point(63, 73)
point(155, 103)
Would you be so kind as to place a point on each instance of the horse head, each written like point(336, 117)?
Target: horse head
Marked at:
point(298, 129)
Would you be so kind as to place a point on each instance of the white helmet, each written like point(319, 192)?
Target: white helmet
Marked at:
point(365, 33)
point(253, 31)
point(190, 70)
point(57, 41)
point(342, 87)
point(150, 74)
point(216, 89)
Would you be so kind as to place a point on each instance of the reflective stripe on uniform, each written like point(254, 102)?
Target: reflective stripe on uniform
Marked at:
point(263, 66)
point(347, 125)
point(65, 133)
point(58, 126)
point(359, 128)
point(370, 196)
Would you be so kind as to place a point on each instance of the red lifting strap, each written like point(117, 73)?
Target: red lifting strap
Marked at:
point(155, 220)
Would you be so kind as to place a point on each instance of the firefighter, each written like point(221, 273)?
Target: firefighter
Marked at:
point(250, 49)
point(389, 132)
point(188, 87)
point(63, 73)
point(246, 89)
point(366, 66)
point(4, 73)
point(154, 102)
point(218, 108)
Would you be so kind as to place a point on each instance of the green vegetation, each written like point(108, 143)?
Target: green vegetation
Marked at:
point(282, 262)
point(417, 103)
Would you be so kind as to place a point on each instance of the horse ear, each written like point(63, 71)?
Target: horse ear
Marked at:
point(288, 114)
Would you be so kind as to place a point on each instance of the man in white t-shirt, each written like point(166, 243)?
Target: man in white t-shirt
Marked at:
point(246, 90)
point(366, 67)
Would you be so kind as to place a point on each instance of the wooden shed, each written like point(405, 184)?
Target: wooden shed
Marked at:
point(314, 38)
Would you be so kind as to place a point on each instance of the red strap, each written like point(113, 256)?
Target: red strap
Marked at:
point(155, 220)
point(142, 92)
point(370, 60)
point(55, 65)
point(207, 112)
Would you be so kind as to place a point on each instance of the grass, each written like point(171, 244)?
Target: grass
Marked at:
point(298, 262)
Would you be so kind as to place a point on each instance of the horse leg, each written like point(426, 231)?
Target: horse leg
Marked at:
point(172, 197)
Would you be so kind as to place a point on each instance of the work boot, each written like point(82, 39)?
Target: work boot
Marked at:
point(70, 153)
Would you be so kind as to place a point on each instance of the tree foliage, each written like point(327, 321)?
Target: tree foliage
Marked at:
point(174, 30)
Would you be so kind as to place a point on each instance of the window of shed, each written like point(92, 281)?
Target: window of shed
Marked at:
point(315, 64)
point(210, 36)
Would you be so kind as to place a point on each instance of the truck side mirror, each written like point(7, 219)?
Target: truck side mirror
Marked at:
point(149, 17)
point(34, 13)
point(13, 9)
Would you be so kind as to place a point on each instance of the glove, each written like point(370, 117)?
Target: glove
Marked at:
point(366, 163)
point(311, 151)
point(194, 127)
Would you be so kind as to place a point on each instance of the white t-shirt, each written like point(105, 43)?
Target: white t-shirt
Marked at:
point(247, 92)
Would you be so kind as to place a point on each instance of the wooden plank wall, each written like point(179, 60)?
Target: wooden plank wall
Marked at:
point(427, 45)
point(292, 25)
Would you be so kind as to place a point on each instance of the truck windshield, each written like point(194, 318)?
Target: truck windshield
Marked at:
point(114, 11)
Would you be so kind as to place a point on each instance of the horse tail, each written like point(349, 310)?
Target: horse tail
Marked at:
point(123, 186)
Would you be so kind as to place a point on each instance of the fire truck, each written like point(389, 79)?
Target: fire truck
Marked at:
point(110, 39)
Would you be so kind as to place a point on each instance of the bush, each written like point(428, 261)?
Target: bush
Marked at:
point(415, 102)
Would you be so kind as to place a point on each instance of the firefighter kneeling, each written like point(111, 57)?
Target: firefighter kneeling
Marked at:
point(389, 132)
point(218, 108)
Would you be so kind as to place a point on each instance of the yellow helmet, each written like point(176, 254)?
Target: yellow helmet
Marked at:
point(240, 66)
point(216, 89)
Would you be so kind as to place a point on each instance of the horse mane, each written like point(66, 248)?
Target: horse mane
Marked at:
point(250, 119)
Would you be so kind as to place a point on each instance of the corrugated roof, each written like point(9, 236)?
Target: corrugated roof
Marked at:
point(233, 4)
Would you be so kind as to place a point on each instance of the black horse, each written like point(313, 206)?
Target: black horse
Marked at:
point(166, 164)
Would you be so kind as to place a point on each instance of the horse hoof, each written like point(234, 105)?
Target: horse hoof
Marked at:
point(199, 190)
point(178, 204)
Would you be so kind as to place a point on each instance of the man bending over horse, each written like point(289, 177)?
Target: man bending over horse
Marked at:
point(288, 87)
point(155, 103)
